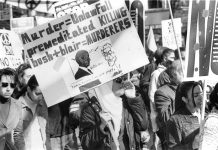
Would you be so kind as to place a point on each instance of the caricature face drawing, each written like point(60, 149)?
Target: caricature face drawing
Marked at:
point(108, 54)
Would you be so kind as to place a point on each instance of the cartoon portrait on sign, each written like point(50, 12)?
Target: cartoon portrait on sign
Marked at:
point(110, 57)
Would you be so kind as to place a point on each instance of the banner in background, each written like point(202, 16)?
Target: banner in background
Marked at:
point(22, 24)
point(10, 49)
point(104, 29)
point(168, 35)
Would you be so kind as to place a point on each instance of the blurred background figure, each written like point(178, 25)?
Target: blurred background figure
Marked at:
point(23, 74)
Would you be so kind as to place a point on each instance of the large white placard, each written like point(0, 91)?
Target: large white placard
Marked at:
point(104, 30)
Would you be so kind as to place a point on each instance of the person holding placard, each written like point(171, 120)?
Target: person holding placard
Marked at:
point(124, 107)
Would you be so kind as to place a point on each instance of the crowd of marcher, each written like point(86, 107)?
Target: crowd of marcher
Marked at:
point(151, 108)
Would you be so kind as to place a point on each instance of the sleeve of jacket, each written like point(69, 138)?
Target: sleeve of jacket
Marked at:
point(174, 136)
point(47, 127)
point(48, 141)
point(18, 133)
point(162, 103)
point(90, 134)
point(80, 99)
point(139, 112)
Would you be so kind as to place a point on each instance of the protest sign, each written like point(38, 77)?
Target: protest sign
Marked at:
point(104, 30)
point(22, 24)
point(201, 45)
point(10, 49)
point(168, 35)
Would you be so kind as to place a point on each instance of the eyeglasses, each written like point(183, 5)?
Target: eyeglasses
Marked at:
point(4, 85)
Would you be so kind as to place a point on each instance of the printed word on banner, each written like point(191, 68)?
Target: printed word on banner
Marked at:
point(168, 35)
point(77, 52)
point(136, 8)
point(22, 24)
point(10, 49)
point(201, 45)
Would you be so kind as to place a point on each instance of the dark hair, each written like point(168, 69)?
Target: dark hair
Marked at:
point(150, 55)
point(20, 71)
point(7, 72)
point(166, 52)
point(79, 54)
point(182, 91)
point(213, 98)
point(158, 54)
point(33, 83)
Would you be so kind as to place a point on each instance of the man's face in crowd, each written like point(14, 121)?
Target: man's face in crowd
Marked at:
point(35, 94)
point(7, 86)
point(27, 74)
point(85, 60)
point(197, 96)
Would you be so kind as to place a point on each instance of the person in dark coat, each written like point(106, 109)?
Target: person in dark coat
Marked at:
point(183, 126)
point(164, 97)
point(129, 122)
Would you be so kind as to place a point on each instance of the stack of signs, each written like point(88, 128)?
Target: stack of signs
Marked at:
point(104, 29)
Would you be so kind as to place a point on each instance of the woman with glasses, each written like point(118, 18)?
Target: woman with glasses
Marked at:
point(10, 113)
